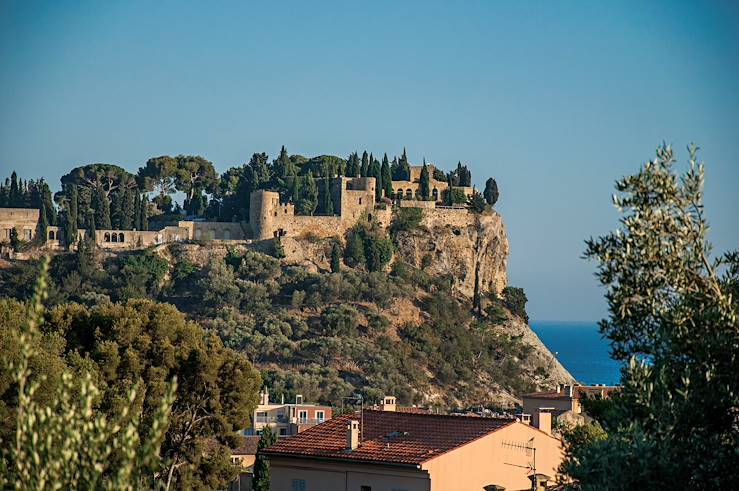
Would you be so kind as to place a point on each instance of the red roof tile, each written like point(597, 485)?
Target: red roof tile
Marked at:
point(389, 437)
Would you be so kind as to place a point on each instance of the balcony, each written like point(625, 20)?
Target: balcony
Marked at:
point(280, 418)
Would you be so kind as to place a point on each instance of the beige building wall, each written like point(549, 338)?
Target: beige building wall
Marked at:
point(337, 476)
point(532, 404)
point(498, 458)
point(23, 220)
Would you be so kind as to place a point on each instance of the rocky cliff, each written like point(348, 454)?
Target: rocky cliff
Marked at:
point(461, 244)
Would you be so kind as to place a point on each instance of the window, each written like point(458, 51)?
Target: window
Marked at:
point(298, 485)
point(302, 416)
point(283, 431)
point(360, 201)
point(320, 416)
point(121, 237)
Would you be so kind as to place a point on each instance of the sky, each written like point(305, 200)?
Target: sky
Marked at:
point(556, 100)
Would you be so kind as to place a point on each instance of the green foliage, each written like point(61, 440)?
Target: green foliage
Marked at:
point(277, 251)
point(62, 442)
point(424, 189)
point(476, 203)
point(367, 245)
point(514, 299)
point(491, 192)
point(406, 219)
point(340, 320)
point(140, 275)
point(336, 254)
point(674, 317)
point(261, 479)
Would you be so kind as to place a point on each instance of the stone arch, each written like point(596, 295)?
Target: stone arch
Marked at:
point(114, 237)
point(106, 237)
point(121, 237)
point(52, 236)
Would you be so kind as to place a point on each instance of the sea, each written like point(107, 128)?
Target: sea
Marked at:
point(581, 349)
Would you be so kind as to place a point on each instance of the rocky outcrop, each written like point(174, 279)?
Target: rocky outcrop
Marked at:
point(459, 243)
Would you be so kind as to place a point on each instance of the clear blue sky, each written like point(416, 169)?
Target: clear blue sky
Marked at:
point(554, 99)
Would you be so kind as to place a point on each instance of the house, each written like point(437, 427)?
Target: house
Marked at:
point(375, 450)
point(287, 419)
point(244, 456)
point(565, 398)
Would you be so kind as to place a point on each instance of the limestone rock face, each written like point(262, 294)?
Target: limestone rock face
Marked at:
point(459, 243)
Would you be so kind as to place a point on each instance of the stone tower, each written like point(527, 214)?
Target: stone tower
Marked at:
point(263, 207)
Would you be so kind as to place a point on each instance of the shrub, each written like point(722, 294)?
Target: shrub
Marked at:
point(406, 219)
point(514, 299)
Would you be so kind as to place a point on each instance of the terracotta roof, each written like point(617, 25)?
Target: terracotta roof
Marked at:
point(577, 392)
point(248, 446)
point(389, 437)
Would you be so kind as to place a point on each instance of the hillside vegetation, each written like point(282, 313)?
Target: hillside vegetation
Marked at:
point(324, 329)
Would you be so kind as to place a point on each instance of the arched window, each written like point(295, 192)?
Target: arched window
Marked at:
point(51, 235)
point(435, 194)
point(121, 237)
point(106, 237)
point(114, 237)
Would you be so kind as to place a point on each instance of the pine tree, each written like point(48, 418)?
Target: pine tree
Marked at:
point(261, 479)
point(387, 179)
point(365, 165)
point(336, 257)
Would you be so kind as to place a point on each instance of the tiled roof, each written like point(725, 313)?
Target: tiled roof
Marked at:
point(248, 446)
point(389, 437)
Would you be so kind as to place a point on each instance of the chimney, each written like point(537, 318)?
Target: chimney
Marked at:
point(388, 404)
point(299, 399)
point(264, 397)
point(559, 388)
point(544, 421)
point(568, 388)
point(352, 435)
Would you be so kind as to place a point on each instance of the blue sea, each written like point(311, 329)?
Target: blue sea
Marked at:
point(581, 349)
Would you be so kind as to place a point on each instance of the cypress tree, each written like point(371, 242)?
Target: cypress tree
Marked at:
point(101, 205)
point(387, 179)
point(309, 200)
point(295, 189)
point(261, 479)
point(491, 193)
point(365, 165)
point(43, 225)
point(335, 257)
point(144, 214)
point(327, 203)
point(73, 215)
point(15, 196)
point(93, 231)
point(136, 211)
point(423, 183)
point(376, 172)
point(67, 227)
point(449, 190)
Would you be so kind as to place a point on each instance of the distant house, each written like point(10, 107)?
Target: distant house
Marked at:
point(400, 451)
point(287, 419)
point(565, 398)
point(244, 456)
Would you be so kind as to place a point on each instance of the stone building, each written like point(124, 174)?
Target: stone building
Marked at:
point(23, 220)
point(409, 190)
point(269, 217)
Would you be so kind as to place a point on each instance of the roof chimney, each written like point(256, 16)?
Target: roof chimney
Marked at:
point(568, 388)
point(299, 399)
point(559, 388)
point(388, 404)
point(544, 421)
point(264, 397)
point(352, 435)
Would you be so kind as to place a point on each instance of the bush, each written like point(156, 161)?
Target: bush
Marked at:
point(406, 219)
point(514, 299)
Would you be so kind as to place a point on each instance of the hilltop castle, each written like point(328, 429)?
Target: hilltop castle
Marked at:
point(269, 217)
